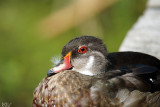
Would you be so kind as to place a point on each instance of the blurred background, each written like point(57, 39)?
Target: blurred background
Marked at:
point(33, 31)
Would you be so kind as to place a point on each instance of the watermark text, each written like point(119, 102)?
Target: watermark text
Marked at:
point(6, 104)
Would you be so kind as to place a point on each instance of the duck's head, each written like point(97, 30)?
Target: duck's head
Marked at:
point(84, 54)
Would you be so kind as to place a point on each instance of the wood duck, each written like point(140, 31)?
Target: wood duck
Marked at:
point(89, 76)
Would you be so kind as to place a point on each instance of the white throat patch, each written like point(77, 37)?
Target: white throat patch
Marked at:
point(87, 69)
point(89, 63)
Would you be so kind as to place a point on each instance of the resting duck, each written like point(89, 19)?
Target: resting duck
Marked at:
point(89, 76)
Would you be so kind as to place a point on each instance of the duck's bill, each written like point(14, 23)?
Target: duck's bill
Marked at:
point(64, 64)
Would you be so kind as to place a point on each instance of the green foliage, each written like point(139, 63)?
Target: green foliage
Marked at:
point(25, 56)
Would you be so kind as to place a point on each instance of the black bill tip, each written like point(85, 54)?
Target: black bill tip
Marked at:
point(50, 73)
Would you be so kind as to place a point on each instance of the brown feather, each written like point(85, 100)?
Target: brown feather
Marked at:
point(70, 88)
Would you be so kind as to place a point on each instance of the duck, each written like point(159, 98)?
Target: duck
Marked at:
point(89, 76)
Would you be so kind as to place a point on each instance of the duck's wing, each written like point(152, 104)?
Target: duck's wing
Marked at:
point(137, 98)
point(142, 78)
point(120, 60)
point(135, 89)
point(142, 65)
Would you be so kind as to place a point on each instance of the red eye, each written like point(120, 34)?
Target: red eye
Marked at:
point(82, 49)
